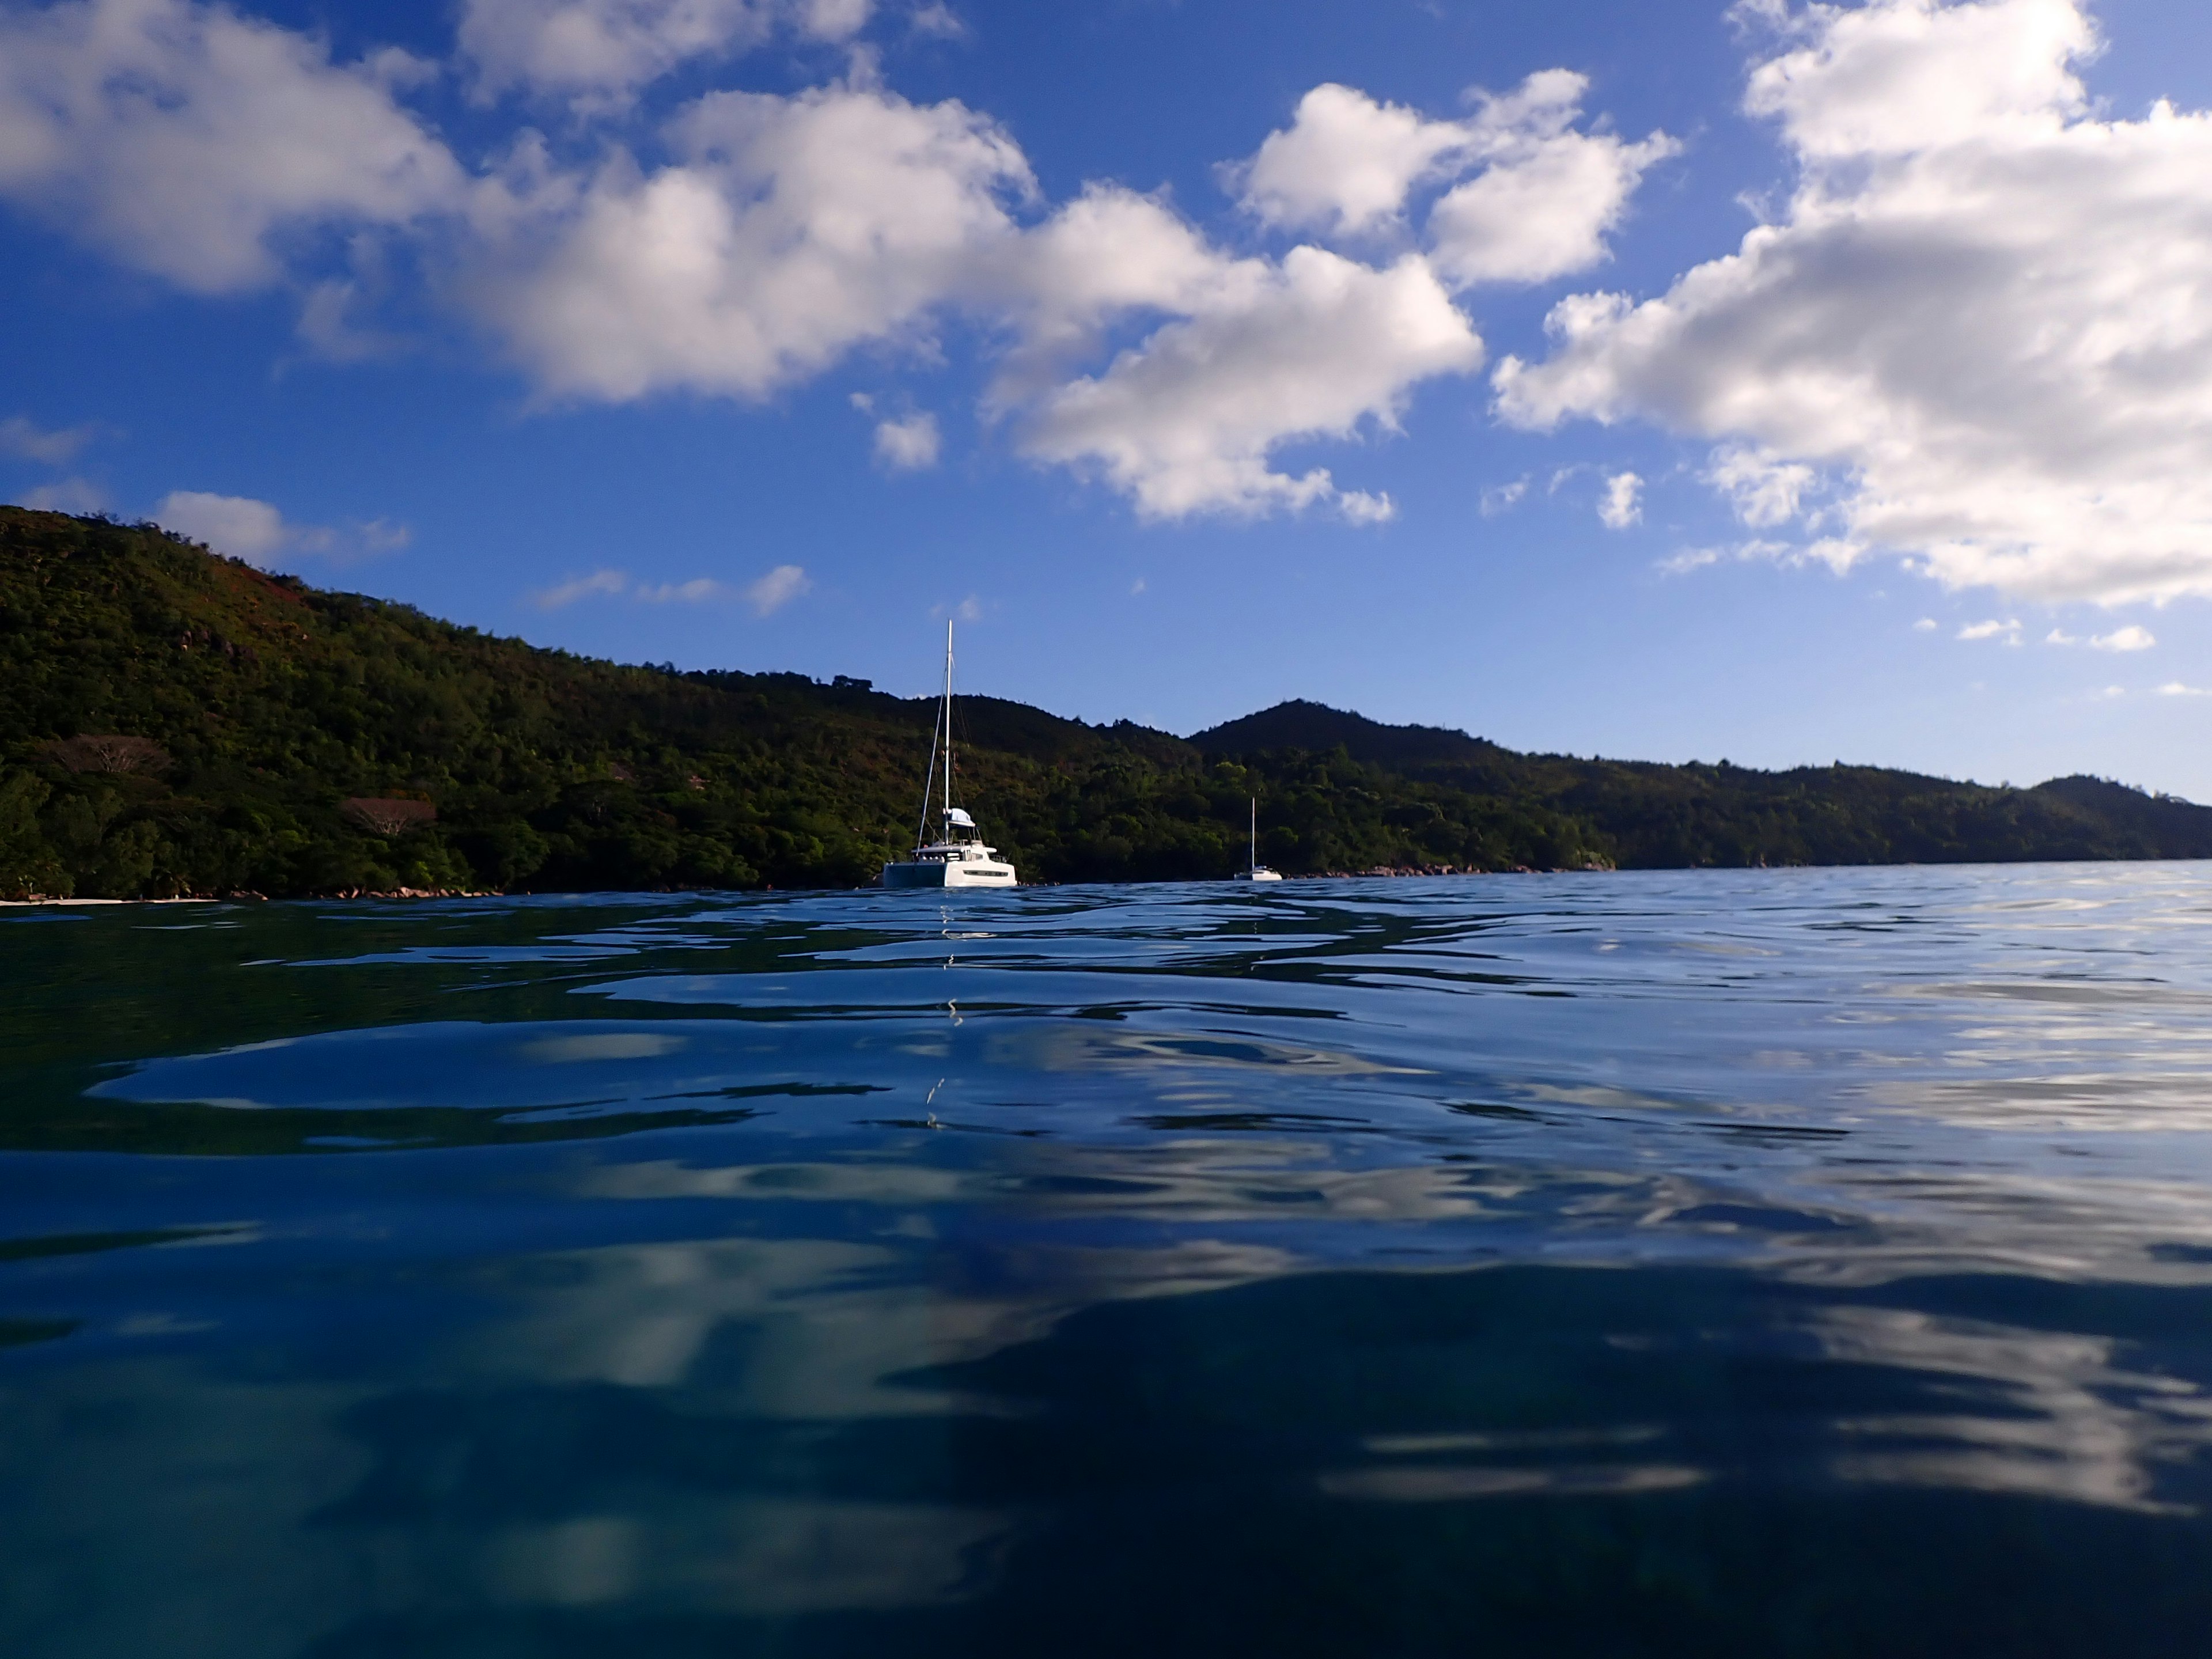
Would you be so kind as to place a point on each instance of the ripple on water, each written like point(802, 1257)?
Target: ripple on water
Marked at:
point(1783, 1262)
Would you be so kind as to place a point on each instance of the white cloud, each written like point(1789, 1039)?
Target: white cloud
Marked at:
point(191, 141)
point(2009, 631)
point(236, 524)
point(1502, 498)
point(1757, 550)
point(765, 237)
point(793, 230)
point(380, 536)
point(580, 587)
point(2131, 638)
point(1255, 354)
point(21, 437)
point(777, 589)
point(258, 533)
point(1185, 420)
point(599, 52)
point(909, 445)
point(1983, 305)
point(1763, 490)
point(1345, 164)
point(1621, 506)
point(937, 19)
point(327, 327)
point(1542, 207)
point(1539, 207)
point(695, 591)
point(78, 495)
point(1102, 256)
point(1925, 625)
point(616, 584)
point(2175, 689)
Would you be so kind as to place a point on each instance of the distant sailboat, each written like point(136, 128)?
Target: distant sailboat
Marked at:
point(953, 860)
point(1255, 871)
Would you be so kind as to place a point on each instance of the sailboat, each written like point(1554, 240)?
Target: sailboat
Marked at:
point(1256, 871)
point(958, 858)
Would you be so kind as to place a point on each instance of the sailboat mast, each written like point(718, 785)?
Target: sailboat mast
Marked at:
point(1253, 863)
point(948, 730)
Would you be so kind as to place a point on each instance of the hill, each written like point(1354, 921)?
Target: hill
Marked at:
point(172, 722)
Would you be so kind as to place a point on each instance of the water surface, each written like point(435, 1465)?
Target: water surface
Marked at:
point(1795, 1262)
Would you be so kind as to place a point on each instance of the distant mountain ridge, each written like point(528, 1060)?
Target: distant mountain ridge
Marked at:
point(173, 722)
point(1299, 724)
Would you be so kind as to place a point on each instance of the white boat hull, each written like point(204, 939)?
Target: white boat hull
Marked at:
point(937, 872)
point(1259, 875)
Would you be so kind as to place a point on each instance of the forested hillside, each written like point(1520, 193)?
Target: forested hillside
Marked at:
point(172, 722)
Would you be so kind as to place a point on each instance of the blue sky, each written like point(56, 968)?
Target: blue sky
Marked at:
point(510, 309)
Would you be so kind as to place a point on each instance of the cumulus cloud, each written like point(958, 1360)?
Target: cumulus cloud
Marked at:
point(1991, 629)
point(1925, 625)
point(791, 230)
point(599, 52)
point(1983, 313)
point(764, 238)
point(1345, 164)
point(1622, 505)
point(1543, 205)
point(908, 445)
point(258, 533)
point(1540, 206)
point(777, 589)
point(189, 141)
point(2175, 689)
point(1311, 347)
point(2131, 638)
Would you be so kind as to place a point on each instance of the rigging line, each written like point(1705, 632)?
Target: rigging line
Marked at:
point(929, 786)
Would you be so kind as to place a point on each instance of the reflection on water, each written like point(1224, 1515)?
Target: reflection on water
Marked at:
point(1793, 1262)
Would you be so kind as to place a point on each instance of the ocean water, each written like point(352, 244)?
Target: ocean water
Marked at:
point(1790, 1262)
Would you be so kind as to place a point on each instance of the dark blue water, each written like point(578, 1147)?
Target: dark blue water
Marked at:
point(1781, 1262)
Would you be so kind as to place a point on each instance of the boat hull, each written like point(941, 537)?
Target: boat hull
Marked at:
point(933, 873)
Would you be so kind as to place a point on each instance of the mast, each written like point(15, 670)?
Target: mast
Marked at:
point(947, 825)
point(1254, 862)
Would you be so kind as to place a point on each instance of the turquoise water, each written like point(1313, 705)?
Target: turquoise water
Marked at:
point(1764, 1262)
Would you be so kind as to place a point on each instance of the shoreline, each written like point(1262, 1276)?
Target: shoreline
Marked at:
point(40, 900)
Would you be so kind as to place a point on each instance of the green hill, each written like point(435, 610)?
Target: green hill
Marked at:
point(172, 722)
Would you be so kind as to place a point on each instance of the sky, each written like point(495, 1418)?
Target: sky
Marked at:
point(1776, 383)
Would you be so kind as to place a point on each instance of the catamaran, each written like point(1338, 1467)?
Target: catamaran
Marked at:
point(1255, 871)
point(958, 858)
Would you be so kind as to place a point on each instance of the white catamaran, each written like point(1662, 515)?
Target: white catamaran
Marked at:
point(958, 858)
point(1256, 871)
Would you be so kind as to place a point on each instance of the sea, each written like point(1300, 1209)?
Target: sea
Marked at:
point(1751, 1262)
